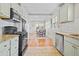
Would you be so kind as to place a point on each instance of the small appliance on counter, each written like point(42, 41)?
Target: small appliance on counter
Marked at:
point(9, 30)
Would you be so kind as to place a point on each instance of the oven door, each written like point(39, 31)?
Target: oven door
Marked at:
point(24, 43)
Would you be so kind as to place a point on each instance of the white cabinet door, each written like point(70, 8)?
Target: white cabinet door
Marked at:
point(76, 10)
point(63, 13)
point(14, 46)
point(71, 46)
point(5, 48)
point(5, 10)
point(68, 49)
point(71, 12)
point(77, 54)
point(66, 12)
point(76, 50)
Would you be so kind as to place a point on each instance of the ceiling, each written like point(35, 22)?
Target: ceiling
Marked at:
point(40, 8)
point(40, 11)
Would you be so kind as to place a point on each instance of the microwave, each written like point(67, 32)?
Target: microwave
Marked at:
point(14, 16)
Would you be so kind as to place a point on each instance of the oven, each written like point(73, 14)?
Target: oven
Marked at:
point(22, 43)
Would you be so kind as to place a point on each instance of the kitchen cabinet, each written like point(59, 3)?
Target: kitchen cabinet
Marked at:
point(4, 10)
point(5, 48)
point(63, 13)
point(14, 46)
point(77, 50)
point(9, 47)
point(71, 46)
point(17, 8)
point(66, 12)
point(76, 11)
point(68, 49)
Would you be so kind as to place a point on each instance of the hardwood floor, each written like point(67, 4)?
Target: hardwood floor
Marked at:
point(41, 46)
point(41, 51)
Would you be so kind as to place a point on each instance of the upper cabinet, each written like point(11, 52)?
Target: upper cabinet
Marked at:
point(63, 12)
point(4, 10)
point(19, 9)
point(66, 12)
point(76, 11)
point(16, 7)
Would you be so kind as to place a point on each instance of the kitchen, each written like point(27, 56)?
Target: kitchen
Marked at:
point(39, 29)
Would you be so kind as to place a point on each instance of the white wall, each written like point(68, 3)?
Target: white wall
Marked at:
point(36, 19)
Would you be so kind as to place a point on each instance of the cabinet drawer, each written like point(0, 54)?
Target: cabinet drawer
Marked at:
point(66, 43)
point(72, 40)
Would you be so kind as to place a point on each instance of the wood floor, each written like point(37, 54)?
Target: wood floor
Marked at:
point(41, 46)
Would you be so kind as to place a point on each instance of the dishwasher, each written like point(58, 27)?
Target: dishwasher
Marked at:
point(59, 43)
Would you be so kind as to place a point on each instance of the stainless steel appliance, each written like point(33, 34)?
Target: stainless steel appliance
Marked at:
point(59, 43)
point(23, 39)
point(22, 43)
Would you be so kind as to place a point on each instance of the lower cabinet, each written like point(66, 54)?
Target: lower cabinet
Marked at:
point(5, 48)
point(76, 48)
point(9, 47)
point(71, 47)
point(14, 47)
point(68, 49)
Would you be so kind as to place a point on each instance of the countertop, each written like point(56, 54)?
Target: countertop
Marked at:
point(69, 34)
point(7, 37)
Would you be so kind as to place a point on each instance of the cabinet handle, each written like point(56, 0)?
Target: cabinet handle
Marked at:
point(5, 45)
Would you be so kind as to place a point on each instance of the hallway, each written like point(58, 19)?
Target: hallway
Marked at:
point(41, 46)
